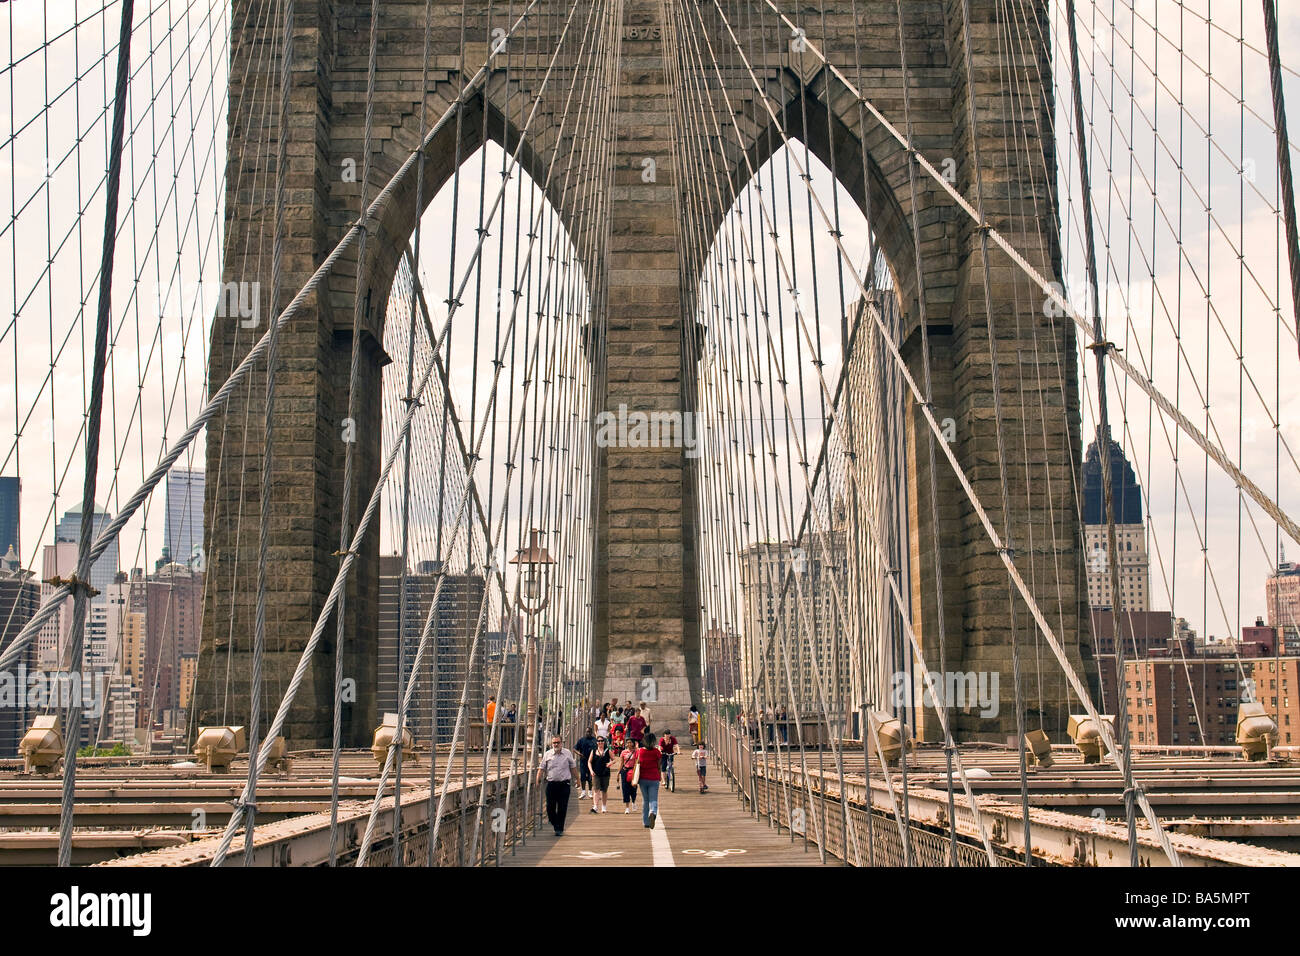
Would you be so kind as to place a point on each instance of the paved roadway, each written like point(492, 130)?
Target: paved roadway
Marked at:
point(693, 829)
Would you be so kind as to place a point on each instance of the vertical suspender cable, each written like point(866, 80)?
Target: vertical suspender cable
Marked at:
point(94, 415)
point(402, 599)
point(360, 304)
point(1283, 155)
point(982, 227)
point(1099, 348)
point(263, 531)
point(923, 324)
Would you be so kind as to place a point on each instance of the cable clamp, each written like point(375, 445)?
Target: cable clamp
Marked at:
point(74, 582)
point(343, 554)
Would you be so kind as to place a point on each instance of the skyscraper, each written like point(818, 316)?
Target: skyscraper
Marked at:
point(183, 523)
point(103, 571)
point(443, 672)
point(1130, 533)
point(721, 661)
point(791, 634)
point(10, 490)
point(1282, 600)
point(58, 560)
point(173, 622)
point(20, 596)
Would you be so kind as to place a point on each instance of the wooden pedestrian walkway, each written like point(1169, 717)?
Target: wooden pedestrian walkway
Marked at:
point(693, 829)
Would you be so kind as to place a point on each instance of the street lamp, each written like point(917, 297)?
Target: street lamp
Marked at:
point(532, 596)
point(535, 562)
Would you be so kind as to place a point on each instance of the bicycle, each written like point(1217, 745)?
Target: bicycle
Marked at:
point(670, 778)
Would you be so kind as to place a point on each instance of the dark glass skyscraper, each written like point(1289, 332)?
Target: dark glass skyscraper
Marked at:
point(10, 489)
point(1123, 484)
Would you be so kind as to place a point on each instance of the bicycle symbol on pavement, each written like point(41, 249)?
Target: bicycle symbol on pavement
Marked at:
point(714, 854)
point(593, 855)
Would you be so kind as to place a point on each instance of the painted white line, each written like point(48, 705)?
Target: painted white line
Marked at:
point(663, 853)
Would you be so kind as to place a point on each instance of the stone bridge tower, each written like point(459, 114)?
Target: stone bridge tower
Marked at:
point(645, 596)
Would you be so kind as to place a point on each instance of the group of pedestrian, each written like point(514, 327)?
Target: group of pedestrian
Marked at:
point(490, 712)
point(618, 744)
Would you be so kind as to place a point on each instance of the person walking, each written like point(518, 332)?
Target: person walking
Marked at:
point(558, 767)
point(693, 725)
point(582, 749)
point(603, 725)
point(701, 757)
point(598, 763)
point(636, 726)
point(628, 764)
point(646, 776)
point(644, 711)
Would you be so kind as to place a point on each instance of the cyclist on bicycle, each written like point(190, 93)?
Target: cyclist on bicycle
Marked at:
point(668, 749)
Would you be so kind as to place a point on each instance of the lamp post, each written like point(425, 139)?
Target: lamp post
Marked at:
point(532, 596)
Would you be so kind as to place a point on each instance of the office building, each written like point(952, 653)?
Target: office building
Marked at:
point(183, 522)
point(1130, 532)
point(443, 673)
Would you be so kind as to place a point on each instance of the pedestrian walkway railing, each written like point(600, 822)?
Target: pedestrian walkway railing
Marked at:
point(468, 836)
point(810, 808)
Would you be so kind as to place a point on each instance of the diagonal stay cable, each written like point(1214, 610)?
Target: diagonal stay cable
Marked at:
point(218, 401)
point(1287, 523)
point(935, 694)
point(1045, 628)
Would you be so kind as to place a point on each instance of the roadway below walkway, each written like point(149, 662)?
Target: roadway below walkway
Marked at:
point(693, 829)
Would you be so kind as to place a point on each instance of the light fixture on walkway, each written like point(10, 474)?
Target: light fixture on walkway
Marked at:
point(532, 593)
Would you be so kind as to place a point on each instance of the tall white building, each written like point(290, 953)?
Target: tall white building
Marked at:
point(105, 634)
point(58, 560)
point(183, 523)
point(799, 630)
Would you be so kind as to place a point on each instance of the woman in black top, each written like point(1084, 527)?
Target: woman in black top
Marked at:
point(598, 763)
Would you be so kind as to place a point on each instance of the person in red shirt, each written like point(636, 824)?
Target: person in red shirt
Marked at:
point(668, 748)
point(635, 726)
point(646, 776)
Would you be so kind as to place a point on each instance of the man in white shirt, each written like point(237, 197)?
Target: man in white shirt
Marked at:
point(558, 766)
